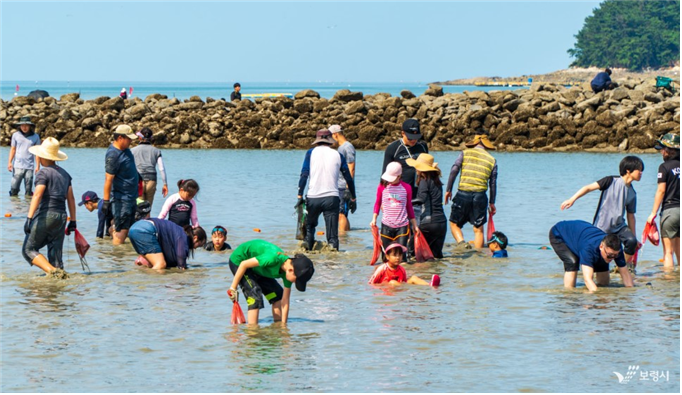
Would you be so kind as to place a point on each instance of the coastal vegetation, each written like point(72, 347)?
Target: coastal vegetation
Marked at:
point(635, 35)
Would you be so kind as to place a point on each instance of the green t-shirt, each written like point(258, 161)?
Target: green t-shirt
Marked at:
point(270, 259)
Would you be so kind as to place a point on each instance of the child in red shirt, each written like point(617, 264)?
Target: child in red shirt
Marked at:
point(392, 273)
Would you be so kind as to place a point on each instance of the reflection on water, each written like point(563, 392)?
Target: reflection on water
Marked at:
point(492, 326)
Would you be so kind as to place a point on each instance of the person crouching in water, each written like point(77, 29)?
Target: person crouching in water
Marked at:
point(163, 244)
point(392, 273)
point(498, 245)
point(256, 265)
point(46, 216)
point(180, 207)
point(217, 242)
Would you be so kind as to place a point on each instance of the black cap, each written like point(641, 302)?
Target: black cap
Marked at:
point(88, 196)
point(303, 270)
point(143, 208)
point(411, 129)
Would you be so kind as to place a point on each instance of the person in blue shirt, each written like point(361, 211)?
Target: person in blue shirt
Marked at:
point(602, 81)
point(583, 246)
point(120, 181)
point(91, 202)
point(498, 245)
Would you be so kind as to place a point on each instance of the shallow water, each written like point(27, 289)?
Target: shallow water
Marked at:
point(492, 326)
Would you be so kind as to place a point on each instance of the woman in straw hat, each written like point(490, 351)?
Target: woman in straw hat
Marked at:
point(433, 223)
point(46, 217)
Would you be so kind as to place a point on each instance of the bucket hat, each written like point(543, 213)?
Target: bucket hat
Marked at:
point(49, 149)
point(668, 140)
point(303, 269)
point(480, 139)
point(125, 130)
point(25, 121)
point(323, 136)
point(393, 171)
point(424, 162)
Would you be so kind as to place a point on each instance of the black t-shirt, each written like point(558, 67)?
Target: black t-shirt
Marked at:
point(669, 172)
point(235, 96)
point(399, 152)
point(181, 212)
point(432, 196)
point(210, 247)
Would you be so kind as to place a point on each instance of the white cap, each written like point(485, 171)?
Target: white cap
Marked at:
point(335, 129)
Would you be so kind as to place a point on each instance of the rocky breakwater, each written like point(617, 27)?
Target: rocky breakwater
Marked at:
point(543, 118)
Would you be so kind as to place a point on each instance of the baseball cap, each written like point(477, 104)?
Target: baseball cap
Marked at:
point(145, 134)
point(125, 130)
point(396, 245)
point(88, 196)
point(393, 171)
point(335, 129)
point(303, 269)
point(411, 129)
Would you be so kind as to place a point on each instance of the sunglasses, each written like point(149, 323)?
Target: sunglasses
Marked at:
point(219, 229)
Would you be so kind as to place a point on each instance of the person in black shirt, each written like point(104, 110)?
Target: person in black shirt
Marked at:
point(236, 95)
point(433, 223)
point(407, 147)
point(217, 242)
point(668, 194)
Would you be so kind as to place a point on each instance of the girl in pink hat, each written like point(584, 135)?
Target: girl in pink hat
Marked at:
point(392, 273)
point(394, 198)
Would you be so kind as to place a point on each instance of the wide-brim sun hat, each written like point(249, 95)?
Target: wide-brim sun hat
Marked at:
point(49, 150)
point(323, 136)
point(480, 139)
point(423, 163)
point(393, 171)
point(125, 130)
point(668, 140)
point(25, 121)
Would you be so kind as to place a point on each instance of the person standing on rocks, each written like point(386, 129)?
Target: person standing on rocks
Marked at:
point(236, 95)
point(602, 81)
point(121, 174)
point(322, 165)
point(347, 150)
point(21, 162)
point(668, 194)
point(147, 158)
point(408, 146)
point(470, 204)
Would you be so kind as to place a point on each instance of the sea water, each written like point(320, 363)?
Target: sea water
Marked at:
point(503, 325)
point(184, 90)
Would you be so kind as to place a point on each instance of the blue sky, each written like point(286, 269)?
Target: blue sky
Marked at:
point(285, 41)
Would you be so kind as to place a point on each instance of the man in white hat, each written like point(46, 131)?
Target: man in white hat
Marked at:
point(46, 218)
point(323, 165)
point(121, 174)
point(21, 162)
point(347, 150)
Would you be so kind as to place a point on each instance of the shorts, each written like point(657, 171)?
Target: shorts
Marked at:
point(670, 223)
point(628, 239)
point(124, 213)
point(47, 229)
point(344, 195)
point(469, 207)
point(255, 286)
point(144, 238)
point(570, 260)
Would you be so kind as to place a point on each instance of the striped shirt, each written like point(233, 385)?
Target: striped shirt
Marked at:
point(476, 169)
point(396, 203)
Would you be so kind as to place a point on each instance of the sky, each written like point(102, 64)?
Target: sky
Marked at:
point(384, 41)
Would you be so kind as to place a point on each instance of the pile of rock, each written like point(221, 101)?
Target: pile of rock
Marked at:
point(546, 117)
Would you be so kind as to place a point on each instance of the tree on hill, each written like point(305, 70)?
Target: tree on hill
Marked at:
point(629, 34)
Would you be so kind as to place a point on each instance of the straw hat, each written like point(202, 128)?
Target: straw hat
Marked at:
point(480, 139)
point(423, 163)
point(49, 149)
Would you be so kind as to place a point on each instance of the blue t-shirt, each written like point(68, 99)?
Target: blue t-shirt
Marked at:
point(583, 240)
point(122, 165)
point(500, 254)
point(22, 142)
